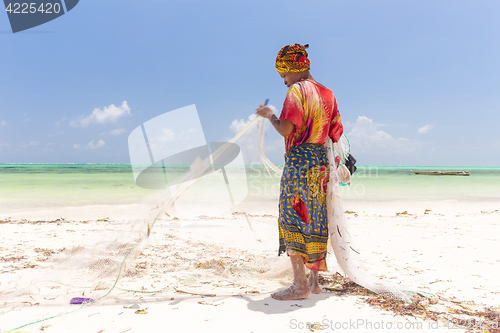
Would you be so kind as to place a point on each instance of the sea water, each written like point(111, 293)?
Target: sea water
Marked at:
point(55, 185)
point(59, 185)
point(398, 183)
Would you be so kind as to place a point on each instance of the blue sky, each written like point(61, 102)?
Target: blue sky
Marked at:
point(417, 82)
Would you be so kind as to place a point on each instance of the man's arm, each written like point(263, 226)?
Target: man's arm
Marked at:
point(283, 127)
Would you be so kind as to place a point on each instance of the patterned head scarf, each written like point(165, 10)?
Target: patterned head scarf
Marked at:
point(293, 58)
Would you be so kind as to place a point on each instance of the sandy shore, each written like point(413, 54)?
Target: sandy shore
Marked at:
point(204, 267)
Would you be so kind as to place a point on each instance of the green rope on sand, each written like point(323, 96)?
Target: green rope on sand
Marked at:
point(124, 289)
point(187, 280)
point(421, 293)
point(90, 303)
point(236, 284)
point(160, 211)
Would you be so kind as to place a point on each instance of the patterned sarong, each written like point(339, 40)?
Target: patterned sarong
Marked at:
point(303, 224)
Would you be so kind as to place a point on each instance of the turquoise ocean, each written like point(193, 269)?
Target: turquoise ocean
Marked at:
point(52, 185)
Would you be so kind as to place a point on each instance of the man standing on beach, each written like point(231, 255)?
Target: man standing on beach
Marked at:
point(308, 117)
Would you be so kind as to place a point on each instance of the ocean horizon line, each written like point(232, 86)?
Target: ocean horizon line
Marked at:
point(250, 165)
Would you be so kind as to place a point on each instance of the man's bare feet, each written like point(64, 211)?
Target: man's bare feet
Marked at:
point(313, 282)
point(292, 292)
point(299, 289)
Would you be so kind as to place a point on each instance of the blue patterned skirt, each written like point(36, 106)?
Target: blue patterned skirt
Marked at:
point(303, 222)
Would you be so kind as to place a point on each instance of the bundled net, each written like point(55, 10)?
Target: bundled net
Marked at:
point(165, 248)
point(197, 229)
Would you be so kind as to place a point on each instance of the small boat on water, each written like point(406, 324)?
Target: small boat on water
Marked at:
point(442, 173)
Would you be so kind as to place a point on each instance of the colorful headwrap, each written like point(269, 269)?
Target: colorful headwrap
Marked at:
point(293, 58)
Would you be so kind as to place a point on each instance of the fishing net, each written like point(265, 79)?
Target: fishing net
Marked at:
point(211, 222)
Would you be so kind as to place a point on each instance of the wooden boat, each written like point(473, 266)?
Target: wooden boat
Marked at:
point(442, 173)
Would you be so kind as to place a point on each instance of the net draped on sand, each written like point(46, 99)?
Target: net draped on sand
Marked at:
point(105, 263)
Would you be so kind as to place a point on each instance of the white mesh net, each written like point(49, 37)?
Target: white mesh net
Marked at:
point(195, 236)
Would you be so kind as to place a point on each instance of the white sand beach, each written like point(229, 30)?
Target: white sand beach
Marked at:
point(447, 248)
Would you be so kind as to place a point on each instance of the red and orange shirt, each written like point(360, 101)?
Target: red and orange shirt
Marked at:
point(312, 108)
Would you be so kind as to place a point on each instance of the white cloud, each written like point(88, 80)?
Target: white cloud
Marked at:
point(237, 125)
point(272, 107)
point(117, 131)
point(3, 123)
point(34, 143)
point(425, 129)
point(90, 145)
point(166, 135)
point(365, 136)
point(365, 130)
point(108, 114)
